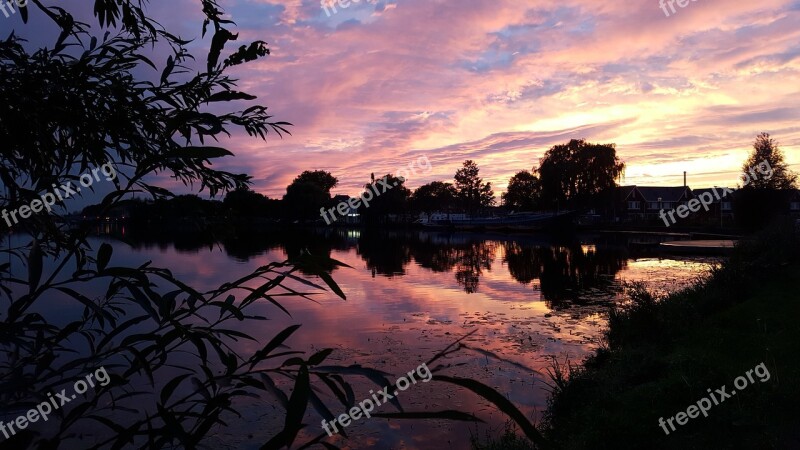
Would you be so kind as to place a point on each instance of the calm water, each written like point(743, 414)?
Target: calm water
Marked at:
point(409, 295)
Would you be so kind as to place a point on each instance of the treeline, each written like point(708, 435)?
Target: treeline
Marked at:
point(568, 175)
point(577, 175)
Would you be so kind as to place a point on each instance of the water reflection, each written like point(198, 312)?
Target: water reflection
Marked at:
point(566, 273)
point(412, 293)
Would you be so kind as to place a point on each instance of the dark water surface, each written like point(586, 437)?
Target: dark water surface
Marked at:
point(529, 299)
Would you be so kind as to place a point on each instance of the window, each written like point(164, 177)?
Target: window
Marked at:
point(633, 205)
point(727, 206)
point(654, 205)
point(795, 206)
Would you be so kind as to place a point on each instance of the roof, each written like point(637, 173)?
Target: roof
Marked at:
point(666, 194)
point(653, 193)
point(721, 192)
point(625, 191)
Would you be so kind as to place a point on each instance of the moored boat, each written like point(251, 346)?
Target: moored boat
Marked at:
point(530, 221)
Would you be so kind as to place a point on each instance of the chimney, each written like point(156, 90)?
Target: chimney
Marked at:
point(684, 178)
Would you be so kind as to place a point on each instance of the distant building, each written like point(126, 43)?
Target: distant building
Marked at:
point(640, 203)
point(794, 203)
point(719, 210)
point(643, 204)
point(438, 215)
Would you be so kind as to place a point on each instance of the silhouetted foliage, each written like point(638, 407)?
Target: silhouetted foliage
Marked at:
point(435, 196)
point(321, 178)
point(309, 192)
point(764, 199)
point(243, 202)
point(165, 344)
point(473, 193)
point(390, 197)
point(523, 192)
point(766, 149)
point(574, 173)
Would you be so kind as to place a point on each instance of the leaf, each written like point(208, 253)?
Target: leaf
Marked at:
point(167, 70)
point(200, 152)
point(225, 306)
point(119, 329)
point(34, 267)
point(323, 410)
point(298, 402)
point(270, 387)
point(319, 357)
point(227, 96)
point(376, 376)
point(503, 404)
point(332, 284)
point(143, 301)
point(336, 390)
point(83, 299)
point(170, 387)
point(221, 37)
point(275, 342)
point(104, 256)
point(300, 280)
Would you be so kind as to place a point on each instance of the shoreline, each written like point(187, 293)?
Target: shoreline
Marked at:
point(661, 355)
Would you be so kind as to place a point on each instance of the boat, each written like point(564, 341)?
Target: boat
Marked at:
point(529, 221)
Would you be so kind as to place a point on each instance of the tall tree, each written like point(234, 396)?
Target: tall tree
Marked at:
point(523, 192)
point(573, 173)
point(390, 196)
point(309, 192)
point(325, 180)
point(471, 190)
point(765, 149)
point(435, 196)
point(244, 202)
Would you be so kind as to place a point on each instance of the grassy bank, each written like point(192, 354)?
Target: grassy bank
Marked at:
point(663, 355)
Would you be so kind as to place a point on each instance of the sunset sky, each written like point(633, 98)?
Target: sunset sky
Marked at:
point(378, 84)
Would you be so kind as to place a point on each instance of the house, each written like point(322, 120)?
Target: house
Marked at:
point(794, 202)
point(645, 202)
point(721, 207)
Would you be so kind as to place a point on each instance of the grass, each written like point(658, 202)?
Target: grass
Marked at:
point(662, 356)
point(509, 440)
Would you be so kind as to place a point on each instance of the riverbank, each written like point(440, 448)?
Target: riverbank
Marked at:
point(663, 355)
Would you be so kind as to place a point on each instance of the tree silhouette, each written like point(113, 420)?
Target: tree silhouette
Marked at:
point(435, 196)
point(523, 192)
point(309, 192)
point(325, 180)
point(575, 172)
point(243, 202)
point(472, 191)
point(390, 196)
point(765, 149)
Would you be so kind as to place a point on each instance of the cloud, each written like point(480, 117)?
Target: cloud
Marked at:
point(500, 81)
